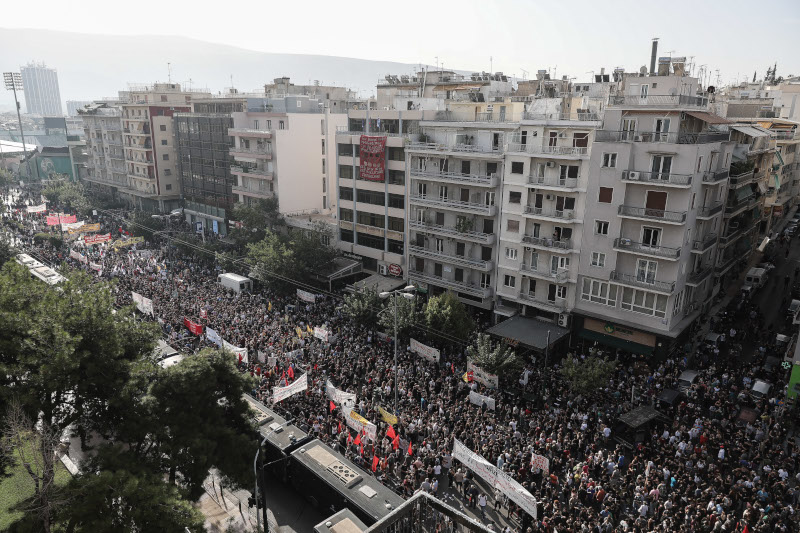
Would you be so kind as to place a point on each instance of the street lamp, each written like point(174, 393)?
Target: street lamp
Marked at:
point(405, 293)
point(13, 82)
point(255, 472)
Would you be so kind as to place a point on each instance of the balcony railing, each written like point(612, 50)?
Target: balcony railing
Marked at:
point(456, 177)
point(742, 179)
point(784, 135)
point(249, 170)
point(559, 276)
point(584, 117)
point(249, 132)
point(436, 229)
point(473, 289)
point(549, 213)
point(447, 203)
point(258, 150)
point(658, 100)
point(701, 245)
point(715, 177)
point(564, 244)
point(456, 147)
point(548, 150)
point(564, 183)
point(675, 217)
point(697, 277)
point(628, 245)
point(740, 204)
point(477, 264)
point(710, 210)
point(665, 178)
point(642, 281)
point(252, 189)
point(660, 137)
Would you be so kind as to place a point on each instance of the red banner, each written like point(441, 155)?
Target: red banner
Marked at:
point(52, 221)
point(69, 219)
point(97, 239)
point(197, 329)
point(373, 158)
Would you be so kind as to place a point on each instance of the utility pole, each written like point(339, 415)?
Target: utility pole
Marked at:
point(13, 81)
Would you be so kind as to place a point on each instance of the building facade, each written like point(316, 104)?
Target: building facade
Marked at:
point(40, 86)
point(106, 171)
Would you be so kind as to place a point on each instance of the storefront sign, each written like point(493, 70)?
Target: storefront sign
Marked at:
point(620, 332)
point(395, 270)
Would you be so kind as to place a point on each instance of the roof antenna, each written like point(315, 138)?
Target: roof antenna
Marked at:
point(169, 72)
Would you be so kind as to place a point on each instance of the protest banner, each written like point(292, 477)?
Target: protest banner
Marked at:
point(482, 376)
point(195, 328)
point(359, 423)
point(306, 296)
point(479, 399)
point(387, 417)
point(36, 208)
point(68, 219)
point(427, 352)
point(346, 399)
point(84, 228)
point(238, 352)
point(95, 266)
point(97, 239)
point(294, 354)
point(73, 226)
point(144, 305)
point(213, 336)
point(78, 256)
point(121, 243)
point(281, 393)
point(541, 462)
point(52, 221)
point(321, 334)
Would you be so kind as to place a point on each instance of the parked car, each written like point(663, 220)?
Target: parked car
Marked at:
point(768, 267)
point(761, 388)
point(687, 379)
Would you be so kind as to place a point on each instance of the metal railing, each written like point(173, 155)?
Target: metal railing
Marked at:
point(246, 131)
point(701, 245)
point(475, 207)
point(549, 213)
point(423, 513)
point(696, 277)
point(248, 170)
point(784, 135)
point(563, 244)
point(584, 117)
point(710, 210)
point(653, 214)
point(714, 177)
point(659, 100)
point(648, 249)
point(660, 137)
point(263, 150)
point(547, 150)
point(559, 276)
point(472, 289)
point(438, 229)
point(456, 147)
point(457, 177)
point(566, 183)
point(642, 281)
point(477, 264)
point(668, 178)
point(742, 179)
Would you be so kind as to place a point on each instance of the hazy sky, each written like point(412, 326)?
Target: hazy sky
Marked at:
point(571, 37)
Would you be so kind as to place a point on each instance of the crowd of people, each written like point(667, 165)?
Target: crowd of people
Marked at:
point(702, 467)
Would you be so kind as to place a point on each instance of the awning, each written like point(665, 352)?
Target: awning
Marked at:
point(750, 131)
point(528, 331)
point(615, 342)
point(639, 416)
point(456, 87)
point(708, 118)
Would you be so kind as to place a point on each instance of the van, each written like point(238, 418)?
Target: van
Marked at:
point(755, 278)
point(761, 388)
point(686, 380)
point(235, 282)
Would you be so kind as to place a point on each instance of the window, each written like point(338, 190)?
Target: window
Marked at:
point(323, 145)
point(610, 160)
point(345, 193)
point(662, 125)
point(598, 259)
point(397, 201)
point(489, 198)
point(606, 194)
point(165, 157)
point(699, 164)
point(370, 197)
point(514, 197)
point(512, 226)
point(269, 127)
point(486, 280)
point(568, 171)
point(422, 189)
point(440, 245)
point(163, 142)
point(440, 218)
point(509, 281)
point(580, 140)
point(540, 170)
point(661, 166)
point(651, 237)
point(346, 215)
point(643, 91)
point(646, 270)
point(600, 227)
point(255, 124)
point(323, 166)
point(163, 127)
point(517, 167)
point(599, 292)
point(561, 292)
point(646, 303)
point(168, 186)
point(532, 287)
point(442, 192)
point(396, 224)
point(163, 97)
point(281, 125)
point(459, 275)
point(556, 292)
point(511, 253)
point(168, 172)
point(461, 249)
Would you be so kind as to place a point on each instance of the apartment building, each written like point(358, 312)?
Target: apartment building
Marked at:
point(337, 99)
point(282, 149)
point(654, 209)
point(149, 144)
point(106, 171)
point(42, 95)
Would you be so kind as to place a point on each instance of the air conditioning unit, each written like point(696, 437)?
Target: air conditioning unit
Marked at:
point(551, 164)
point(564, 320)
point(632, 175)
point(550, 197)
point(625, 242)
point(383, 270)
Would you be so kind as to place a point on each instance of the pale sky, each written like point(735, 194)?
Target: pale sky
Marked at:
point(571, 37)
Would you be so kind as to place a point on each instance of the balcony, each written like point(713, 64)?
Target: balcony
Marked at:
point(572, 152)
point(249, 132)
point(436, 229)
point(666, 100)
point(559, 276)
point(701, 245)
point(784, 135)
point(252, 190)
point(697, 277)
point(709, 211)
point(419, 251)
point(552, 306)
point(551, 214)
point(734, 232)
point(344, 130)
point(740, 205)
point(723, 266)
point(560, 117)
point(417, 146)
point(667, 179)
point(111, 127)
point(564, 245)
point(643, 282)
point(137, 117)
point(258, 151)
point(742, 179)
point(660, 215)
point(660, 137)
point(248, 171)
point(455, 205)
point(114, 142)
point(712, 178)
point(665, 252)
point(472, 289)
point(456, 178)
point(556, 183)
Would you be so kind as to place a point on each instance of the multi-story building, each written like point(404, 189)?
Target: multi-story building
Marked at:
point(106, 172)
point(654, 208)
point(337, 99)
point(149, 144)
point(40, 84)
point(73, 106)
point(281, 148)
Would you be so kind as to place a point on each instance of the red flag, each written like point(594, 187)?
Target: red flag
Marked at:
point(390, 433)
point(332, 407)
point(746, 529)
point(361, 449)
point(349, 437)
point(375, 462)
point(452, 368)
point(410, 449)
point(291, 372)
point(358, 439)
point(396, 442)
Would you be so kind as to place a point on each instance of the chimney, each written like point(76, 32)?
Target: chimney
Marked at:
point(653, 55)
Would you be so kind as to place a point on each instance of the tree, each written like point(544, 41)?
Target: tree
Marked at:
point(6, 251)
point(447, 314)
point(270, 256)
point(312, 250)
point(587, 375)
point(144, 225)
point(362, 307)
point(257, 220)
point(495, 359)
point(69, 194)
point(406, 316)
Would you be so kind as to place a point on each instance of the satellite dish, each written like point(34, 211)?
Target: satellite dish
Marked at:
point(643, 70)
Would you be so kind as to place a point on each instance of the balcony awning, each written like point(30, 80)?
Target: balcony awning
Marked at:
point(708, 118)
point(529, 331)
point(750, 131)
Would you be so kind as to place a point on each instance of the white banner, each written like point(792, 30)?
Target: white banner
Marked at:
point(306, 296)
point(483, 377)
point(36, 208)
point(95, 266)
point(359, 423)
point(294, 354)
point(73, 225)
point(478, 399)
point(321, 334)
point(77, 255)
point(144, 305)
point(495, 477)
point(346, 399)
point(541, 462)
point(281, 393)
point(236, 351)
point(214, 337)
point(427, 352)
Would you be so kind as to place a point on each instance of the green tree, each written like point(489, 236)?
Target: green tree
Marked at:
point(270, 256)
point(312, 250)
point(6, 251)
point(6, 178)
point(446, 313)
point(257, 220)
point(587, 375)
point(144, 224)
point(493, 358)
point(68, 194)
point(406, 316)
point(362, 307)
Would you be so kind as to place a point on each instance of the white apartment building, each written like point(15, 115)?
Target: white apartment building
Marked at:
point(106, 171)
point(42, 95)
point(282, 148)
point(653, 212)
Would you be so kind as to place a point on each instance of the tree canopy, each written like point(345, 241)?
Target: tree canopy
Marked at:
point(447, 314)
point(362, 307)
point(494, 358)
point(586, 375)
